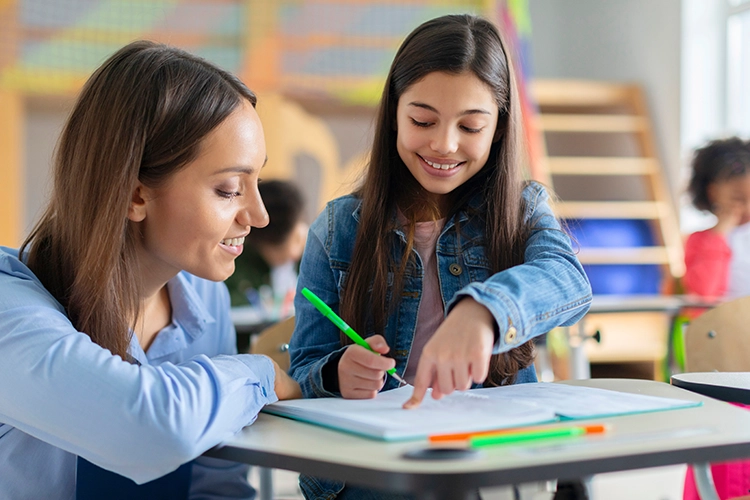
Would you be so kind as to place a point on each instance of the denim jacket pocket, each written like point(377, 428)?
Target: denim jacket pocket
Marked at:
point(478, 266)
point(317, 488)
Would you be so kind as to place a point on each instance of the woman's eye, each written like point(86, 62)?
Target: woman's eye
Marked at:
point(230, 195)
point(420, 124)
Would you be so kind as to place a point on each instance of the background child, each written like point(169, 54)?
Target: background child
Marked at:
point(443, 258)
point(717, 260)
point(111, 308)
point(269, 262)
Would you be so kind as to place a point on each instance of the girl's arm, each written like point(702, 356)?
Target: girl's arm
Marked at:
point(139, 421)
point(548, 290)
point(513, 306)
point(315, 340)
point(707, 259)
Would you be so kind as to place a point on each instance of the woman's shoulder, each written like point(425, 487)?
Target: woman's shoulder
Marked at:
point(19, 286)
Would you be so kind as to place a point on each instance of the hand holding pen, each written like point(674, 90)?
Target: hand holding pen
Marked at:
point(361, 369)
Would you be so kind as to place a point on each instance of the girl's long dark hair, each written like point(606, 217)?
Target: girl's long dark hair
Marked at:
point(140, 117)
point(451, 44)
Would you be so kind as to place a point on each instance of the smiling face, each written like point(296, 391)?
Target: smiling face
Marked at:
point(445, 127)
point(198, 219)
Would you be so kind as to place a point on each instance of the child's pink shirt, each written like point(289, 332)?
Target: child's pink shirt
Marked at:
point(707, 260)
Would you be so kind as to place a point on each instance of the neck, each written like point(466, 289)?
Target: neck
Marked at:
point(155, 306)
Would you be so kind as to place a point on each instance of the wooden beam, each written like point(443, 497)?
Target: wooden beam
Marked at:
point(11, 167)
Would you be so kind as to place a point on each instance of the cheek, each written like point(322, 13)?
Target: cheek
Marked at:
point(479, 148)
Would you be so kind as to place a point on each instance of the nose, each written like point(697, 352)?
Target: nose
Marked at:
point(445, 141)
point(253, 212)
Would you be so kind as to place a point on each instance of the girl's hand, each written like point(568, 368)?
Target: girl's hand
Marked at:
point(457, 354)
point(362, 372)
point(284, 385)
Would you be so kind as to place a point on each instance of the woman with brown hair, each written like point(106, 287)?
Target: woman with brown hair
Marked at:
point(114, 326)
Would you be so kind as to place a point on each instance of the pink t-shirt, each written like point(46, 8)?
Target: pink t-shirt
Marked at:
point(431, 307)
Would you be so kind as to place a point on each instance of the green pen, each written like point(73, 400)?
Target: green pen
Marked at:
point(520, 437)
point(341, 324)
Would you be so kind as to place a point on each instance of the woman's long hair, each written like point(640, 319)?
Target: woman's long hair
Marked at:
point(140, 117)
point(452, 44)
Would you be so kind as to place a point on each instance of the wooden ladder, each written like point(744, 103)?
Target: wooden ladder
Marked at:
point(599, 134)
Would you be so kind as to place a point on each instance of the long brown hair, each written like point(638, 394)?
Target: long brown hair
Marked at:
point(452, 44)
point(140, 117)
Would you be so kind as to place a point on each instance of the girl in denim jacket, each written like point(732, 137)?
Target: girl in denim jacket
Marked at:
point(444, 259)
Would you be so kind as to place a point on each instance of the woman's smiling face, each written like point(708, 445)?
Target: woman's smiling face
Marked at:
point(446, 124)
point(198, 219)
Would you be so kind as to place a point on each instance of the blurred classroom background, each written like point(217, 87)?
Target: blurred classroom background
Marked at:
point(617, 94)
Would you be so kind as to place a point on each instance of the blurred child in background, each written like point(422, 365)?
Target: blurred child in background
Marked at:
point(266, 273)
point(717, 260)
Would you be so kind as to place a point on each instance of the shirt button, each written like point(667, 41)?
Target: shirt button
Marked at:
point(455, 269)
point(510, 335)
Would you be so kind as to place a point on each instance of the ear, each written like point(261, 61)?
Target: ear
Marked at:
point(711, 194)
point(137, 208)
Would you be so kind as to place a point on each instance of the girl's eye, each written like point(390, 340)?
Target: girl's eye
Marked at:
point(230, 195)
point(420, 124)
point(471, 130)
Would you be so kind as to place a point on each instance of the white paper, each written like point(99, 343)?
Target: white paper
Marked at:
point(467, 411)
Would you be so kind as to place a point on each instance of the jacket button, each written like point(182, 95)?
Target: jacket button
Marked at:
point(455, 269)
point(510, 335)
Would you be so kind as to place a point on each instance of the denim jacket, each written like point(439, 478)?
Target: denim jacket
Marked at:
point(549, 289)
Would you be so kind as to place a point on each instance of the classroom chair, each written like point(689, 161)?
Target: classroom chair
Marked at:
point(274, 343)
point(717, 339)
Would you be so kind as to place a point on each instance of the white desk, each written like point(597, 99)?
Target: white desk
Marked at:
point(715, 431)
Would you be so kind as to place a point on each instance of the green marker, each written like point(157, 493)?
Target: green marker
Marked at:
point(341, 324)
point(520, 437)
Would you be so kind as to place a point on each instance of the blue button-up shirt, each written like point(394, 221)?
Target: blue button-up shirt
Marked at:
point(61, 395)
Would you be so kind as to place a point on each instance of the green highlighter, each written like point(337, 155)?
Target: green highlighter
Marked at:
point(341, 324)
point(525, 436)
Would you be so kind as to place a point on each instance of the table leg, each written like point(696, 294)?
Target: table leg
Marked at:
point(579, 363)
point(704, 482)
point(266, 483)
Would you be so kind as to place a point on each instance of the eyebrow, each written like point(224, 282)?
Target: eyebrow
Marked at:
point(239, 169)
point(478, 111)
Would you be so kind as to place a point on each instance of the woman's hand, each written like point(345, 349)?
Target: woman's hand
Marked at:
point(457, 354)
point(362, 372)
point(284, 385)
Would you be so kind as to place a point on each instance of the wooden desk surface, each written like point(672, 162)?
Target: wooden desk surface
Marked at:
point(714, 431)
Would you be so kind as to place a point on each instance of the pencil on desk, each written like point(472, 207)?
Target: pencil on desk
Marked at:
point(464, 436)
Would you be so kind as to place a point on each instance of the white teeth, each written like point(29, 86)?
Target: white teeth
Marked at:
point(233, 242)
point(441, 166)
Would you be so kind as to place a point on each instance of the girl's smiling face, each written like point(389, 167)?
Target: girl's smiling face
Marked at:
point(446, 124)
point(198, 219)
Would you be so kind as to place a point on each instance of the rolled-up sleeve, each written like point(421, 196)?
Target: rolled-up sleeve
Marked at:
point(549, 289)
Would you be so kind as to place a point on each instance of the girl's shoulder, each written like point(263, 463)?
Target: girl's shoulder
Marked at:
point(19, 286)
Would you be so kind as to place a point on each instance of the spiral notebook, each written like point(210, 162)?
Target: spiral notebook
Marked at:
point(468, 411)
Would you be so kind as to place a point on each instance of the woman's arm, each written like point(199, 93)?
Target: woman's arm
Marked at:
point(139, 421)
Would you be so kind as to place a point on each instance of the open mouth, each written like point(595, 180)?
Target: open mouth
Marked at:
point(233, 242)
point(442, 166)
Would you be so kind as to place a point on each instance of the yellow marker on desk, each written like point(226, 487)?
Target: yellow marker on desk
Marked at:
point(341, 324)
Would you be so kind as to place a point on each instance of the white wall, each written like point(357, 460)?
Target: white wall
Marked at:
point(622, 40)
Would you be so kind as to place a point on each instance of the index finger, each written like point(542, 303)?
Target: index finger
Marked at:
point(422, 382)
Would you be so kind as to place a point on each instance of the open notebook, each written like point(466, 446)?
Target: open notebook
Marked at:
point(468, 411)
